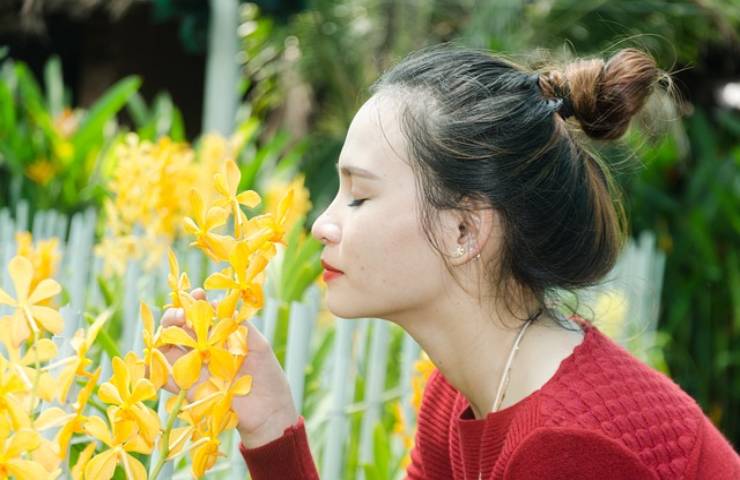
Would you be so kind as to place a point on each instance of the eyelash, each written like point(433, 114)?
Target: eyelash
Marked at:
point(357, 202)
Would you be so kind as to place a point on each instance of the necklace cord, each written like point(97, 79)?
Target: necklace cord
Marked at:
point(504, 383)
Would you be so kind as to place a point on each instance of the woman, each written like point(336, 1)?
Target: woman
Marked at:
point(465, 199)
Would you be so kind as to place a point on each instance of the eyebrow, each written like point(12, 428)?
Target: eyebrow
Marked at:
point(356, 171)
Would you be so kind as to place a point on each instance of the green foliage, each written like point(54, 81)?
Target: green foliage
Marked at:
point(674, 31)
point(162, 119)
point(49, 154)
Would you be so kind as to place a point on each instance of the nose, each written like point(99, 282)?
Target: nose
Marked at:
point(325, 230)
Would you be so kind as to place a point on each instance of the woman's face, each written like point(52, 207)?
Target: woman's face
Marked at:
point(371, 230)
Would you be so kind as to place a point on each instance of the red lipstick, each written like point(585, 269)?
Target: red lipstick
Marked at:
point(330, 273)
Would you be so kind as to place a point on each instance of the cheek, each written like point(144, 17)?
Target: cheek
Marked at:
point(389, 259)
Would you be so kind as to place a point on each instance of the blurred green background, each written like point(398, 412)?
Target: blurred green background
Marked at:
point(76, 75)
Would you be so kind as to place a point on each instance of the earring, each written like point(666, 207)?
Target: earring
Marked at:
point(459, 252)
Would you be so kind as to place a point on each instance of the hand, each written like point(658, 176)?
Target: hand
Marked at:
point(267, 410)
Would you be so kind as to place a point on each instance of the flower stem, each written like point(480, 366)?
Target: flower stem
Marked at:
point(164, 447)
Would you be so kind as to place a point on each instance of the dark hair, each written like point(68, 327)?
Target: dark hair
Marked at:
point(484, 128)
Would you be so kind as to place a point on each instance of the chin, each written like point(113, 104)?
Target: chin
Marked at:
point(349, 308)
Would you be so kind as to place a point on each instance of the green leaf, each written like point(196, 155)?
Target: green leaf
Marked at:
point(371, 472)
point(177, 129)
point(104, 339)
point(266, 154)
point(91, 128)
point(54, 86)
point(136, 106)
point(382, 451)
point(7, 112)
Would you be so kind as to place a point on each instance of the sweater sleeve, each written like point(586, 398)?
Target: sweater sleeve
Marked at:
point(573, 454)
point(717, 460)
point(287, 458)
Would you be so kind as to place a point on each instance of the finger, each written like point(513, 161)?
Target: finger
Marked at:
point(198, 294)
point(173, 317)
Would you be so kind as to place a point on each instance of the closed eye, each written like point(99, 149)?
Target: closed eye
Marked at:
point(357, 202)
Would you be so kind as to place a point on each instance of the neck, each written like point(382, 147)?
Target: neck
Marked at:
point(470, 343)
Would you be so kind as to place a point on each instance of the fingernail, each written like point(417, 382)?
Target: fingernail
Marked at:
point(179, 313)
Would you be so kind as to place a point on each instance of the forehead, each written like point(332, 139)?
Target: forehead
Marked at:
point(374, 139)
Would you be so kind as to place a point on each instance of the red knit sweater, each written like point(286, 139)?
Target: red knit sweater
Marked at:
point(604, 414)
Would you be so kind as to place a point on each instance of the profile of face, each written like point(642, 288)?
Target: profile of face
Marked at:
point(372, 231)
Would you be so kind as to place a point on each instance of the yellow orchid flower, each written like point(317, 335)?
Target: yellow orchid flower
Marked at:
point(74, 422)
point(216, 395)
point(205, 220)
point(423, 368)
point(277, 221)
point(178, 282)
point(44, 258)
point(47, 455)
point(301, 202)
point(195, 429)
point(78, 471)
point(206, 450)
point(126, 391)
point(116, 251)
point(12, 447)
point(227, 184)
point(207, 346)
point(29, 315)
point(259, 237)
point(120, 440)
point(41, 351)
point(76, 365)
point(205, 456)
point(246, 276)
point(12, 391)
point(237, 342)
point(154, 359)
point(227, 306)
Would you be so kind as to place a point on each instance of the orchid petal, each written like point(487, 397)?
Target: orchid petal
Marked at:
point(102, 465)
point(21, 272)
point(219, 281)
point(97, 427)
point(242, 386)
point(177, 336)
point(46, 289)
point(49, 318)
point(186, 369)
point(249, 198)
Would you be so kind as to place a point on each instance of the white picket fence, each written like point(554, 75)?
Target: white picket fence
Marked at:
point(360, 347)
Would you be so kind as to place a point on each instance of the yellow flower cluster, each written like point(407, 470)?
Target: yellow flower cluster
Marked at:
point(423, 368)
point(277, 189)
point(150, 186)
point(214, 337)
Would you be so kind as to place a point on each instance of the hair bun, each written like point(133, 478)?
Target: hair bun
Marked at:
point(603, 96)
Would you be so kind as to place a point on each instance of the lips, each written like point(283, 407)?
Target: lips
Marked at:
point(329, 268)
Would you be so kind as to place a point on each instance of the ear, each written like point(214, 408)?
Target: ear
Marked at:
point(473, 231)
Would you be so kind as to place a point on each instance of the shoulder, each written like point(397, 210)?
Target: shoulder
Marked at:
point(716, 459)
point(606, 393)
point(573, 454)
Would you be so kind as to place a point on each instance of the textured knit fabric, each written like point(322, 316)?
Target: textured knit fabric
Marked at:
point(603, 415)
